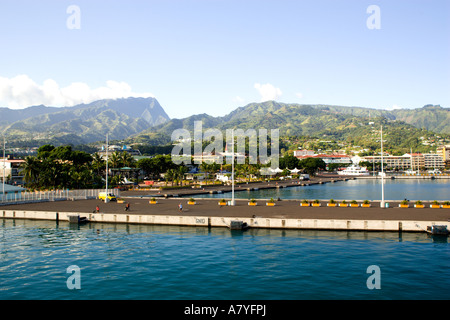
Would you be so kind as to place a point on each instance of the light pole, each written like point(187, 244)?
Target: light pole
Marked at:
point(382, 172)
point(4, 166)
point(106, 197)
point(232, 168)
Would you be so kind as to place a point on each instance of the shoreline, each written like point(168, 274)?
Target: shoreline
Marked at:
point(242, 186)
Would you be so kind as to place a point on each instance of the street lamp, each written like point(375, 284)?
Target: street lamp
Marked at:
point(382, 172)
point(106, 197)
point(4, 166)
point(232, 168)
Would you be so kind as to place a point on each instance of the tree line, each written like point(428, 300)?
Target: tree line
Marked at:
point(64, 168)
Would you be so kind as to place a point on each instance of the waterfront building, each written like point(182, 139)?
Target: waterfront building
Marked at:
point(113, 148)
point(219, 158)
point(13, 172)
point(409, 161)
point(304, 153)
point(327, 158)
point(391, 162)
point(444, 151)
point(433, 161)
point(417, 161)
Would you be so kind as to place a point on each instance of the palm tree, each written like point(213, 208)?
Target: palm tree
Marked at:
point(128, 160)
point(180, 173)
point(30, 169)
point(98, 163)
point(115, 159)
point(170, 175)
point(205, 168)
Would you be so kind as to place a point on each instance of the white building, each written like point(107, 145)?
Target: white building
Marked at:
point(303, 153)
point(11, 170)
point(433, 161)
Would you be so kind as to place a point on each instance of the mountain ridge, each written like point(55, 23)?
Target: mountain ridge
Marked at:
point(143, 120)
point(91, 122)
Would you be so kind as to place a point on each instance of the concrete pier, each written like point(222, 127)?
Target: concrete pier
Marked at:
point(224, 221)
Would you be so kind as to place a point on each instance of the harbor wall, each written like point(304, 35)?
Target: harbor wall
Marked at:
point(257, 222)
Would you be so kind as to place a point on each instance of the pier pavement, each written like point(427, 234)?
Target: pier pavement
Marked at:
point(286, 209)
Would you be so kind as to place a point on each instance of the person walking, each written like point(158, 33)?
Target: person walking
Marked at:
point(127, 207)
point(180, 207)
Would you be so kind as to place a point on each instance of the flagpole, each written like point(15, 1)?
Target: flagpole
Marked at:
point(106, 197)
point(4, 167)
point(382, 170)
point(232, 168)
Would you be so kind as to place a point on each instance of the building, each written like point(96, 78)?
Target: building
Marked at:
point(220, 158)
point(417, 161)
point(409, 161)
point(327, 158)
point(391, 162)
point(113, 148)
point(433, 161)
point(444, 151)
point(13, 172)
point(304, 153)
point(335, 158)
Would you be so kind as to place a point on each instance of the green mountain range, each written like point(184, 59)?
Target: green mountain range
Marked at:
point(404, 128)
point(82, 123)
point(144, 121)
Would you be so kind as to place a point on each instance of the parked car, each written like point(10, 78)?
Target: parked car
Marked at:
point(104, 195)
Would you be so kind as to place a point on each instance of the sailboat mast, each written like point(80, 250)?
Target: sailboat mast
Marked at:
point(382, 170)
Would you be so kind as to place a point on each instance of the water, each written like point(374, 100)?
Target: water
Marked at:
point(172, 263)
point(370, 189)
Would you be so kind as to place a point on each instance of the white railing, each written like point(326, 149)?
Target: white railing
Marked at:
point(54, 195)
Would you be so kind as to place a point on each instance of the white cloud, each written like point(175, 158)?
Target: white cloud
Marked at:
point(394, 107)
point(21, 91)
point(299, 95)
point(268, 91)
point(239, 100)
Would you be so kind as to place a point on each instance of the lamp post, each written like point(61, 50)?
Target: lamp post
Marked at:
point(4, 166)
point(382, 172)
point(232, 168)
point(106, 197)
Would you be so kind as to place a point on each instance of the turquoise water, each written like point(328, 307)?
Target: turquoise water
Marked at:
point(172, 263)
point(370, 189)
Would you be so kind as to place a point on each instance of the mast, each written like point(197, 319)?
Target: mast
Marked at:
point(4, 167)
point(382, 171)
point(106, 198)
point(232, 167)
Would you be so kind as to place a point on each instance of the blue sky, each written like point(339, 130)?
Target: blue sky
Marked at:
point(212, 56)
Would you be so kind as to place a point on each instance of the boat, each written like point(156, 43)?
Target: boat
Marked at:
point(354, 171)
point(438, 230)
point(238, 225)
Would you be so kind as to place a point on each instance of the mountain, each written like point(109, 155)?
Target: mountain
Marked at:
point(144, 121)
point(83, 123)
point(356, 125)
point(298, 119)
point(430, 117)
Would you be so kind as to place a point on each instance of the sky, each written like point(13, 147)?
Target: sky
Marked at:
point(213, 56)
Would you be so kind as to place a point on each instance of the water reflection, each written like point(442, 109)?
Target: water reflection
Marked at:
point(398, 189)
point(57, 234)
